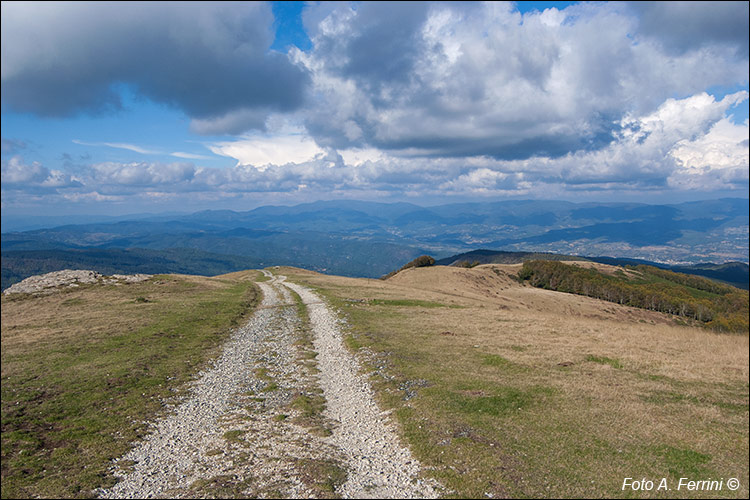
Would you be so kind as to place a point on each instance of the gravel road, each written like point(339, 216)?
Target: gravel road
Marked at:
point(379, 467)
point(232, 434)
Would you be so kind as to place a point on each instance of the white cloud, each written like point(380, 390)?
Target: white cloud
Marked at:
point(141, 174)
point(119, 145)
point(483, 79)
point(724, 146)
point(358, 156)
point(713, 161)
point(264, 151)
point(189, 156)
point(18, 175)
point(16, 172)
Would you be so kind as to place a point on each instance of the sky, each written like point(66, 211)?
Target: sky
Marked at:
point(129, 107)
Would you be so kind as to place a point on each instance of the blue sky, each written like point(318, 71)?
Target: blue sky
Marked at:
point(113, 108)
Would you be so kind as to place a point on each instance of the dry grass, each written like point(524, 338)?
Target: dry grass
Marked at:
point(528, 392)
point(82, 369)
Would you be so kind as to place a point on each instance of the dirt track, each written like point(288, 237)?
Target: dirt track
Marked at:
point(235, 433)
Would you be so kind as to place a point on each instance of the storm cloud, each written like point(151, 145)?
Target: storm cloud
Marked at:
point(210, 60)
point(684, 26)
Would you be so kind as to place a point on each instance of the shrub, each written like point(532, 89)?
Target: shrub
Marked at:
point(421, 261)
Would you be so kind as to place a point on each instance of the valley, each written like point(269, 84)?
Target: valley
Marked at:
point(368, 239)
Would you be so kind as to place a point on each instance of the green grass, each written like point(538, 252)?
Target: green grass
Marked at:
point(235, 436)
point(409, 303)
point(494, 360)
point(719, 399)
point(222, 486)
point(262, 374)
point(682, 462)
point(505, 400)
point(270, 387)
point(77, 387)
point(309, 403)
point(603, 360)
point(322, 476)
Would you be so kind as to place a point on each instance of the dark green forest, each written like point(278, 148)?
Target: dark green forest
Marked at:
point(717, 306)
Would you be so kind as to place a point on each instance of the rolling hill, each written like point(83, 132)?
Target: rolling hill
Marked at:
point(508, 390)
point(499, 388)
point(736, 274)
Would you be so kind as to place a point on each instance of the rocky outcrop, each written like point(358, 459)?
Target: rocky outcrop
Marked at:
point(47, 283)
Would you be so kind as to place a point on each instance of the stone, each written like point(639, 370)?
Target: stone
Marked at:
point(47, 283)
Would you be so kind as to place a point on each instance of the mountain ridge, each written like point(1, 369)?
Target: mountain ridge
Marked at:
point(369, 239)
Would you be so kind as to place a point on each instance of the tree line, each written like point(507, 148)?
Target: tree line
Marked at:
point(717, 306)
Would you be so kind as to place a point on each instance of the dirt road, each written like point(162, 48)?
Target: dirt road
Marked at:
point(249, 426)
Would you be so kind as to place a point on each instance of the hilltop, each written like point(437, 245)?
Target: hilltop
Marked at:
point(499, 388)
point(733, 273)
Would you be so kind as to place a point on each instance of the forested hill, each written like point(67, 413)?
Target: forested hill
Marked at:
point(717, 306)
point(733, 273)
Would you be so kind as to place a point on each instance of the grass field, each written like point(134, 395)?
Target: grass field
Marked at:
point(500, 389)
point(83, 369)
point(512, 391)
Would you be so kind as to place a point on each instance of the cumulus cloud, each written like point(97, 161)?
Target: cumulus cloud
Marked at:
point(715, 160)
point(685, 144)
point(142, 173)
point(669, 147)
point(262, 150)
point(465, 99)
point(442, 80)
point(16, 172)
point(18, 175)
point(210, 60)
point(657, 150)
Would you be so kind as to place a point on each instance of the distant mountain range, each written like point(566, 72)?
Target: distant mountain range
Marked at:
point(357, 238)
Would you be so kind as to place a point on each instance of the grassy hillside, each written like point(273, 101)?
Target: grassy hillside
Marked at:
point(736, 274)
point(731, 273)
point(717, 306)
point(500, 389)
point(505, 390)
point(82, 369)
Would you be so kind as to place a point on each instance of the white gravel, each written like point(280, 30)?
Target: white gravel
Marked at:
point(380, 467)
point(188, 447)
